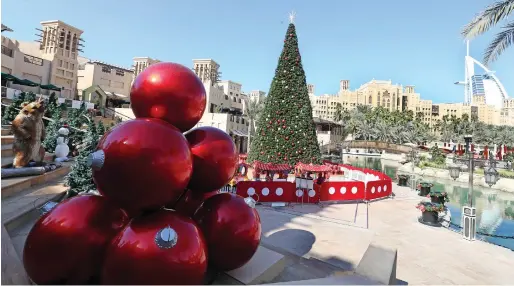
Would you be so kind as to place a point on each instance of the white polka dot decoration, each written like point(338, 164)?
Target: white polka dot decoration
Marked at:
point(279, 191)
point(379, 189)
point(373, 190)
point(312, 193)
point(354, 190)
point(342, 190)
point(251, 191)
point(299, 193)
point(385, 188)
point(265, 191)
point(331, 190)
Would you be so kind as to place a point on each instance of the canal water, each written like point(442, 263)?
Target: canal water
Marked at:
point(495, 209)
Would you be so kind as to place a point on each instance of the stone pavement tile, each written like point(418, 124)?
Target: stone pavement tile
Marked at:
point(426, 255)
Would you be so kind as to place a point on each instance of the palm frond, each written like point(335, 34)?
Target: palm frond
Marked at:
point(488, 18)
point(500, 43)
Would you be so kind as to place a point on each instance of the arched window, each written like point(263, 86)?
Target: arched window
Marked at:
point(370, 99)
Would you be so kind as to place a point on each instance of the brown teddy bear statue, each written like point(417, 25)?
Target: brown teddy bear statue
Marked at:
point(29, 132)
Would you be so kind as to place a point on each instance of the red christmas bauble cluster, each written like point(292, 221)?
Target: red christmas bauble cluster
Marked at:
point(160, 218)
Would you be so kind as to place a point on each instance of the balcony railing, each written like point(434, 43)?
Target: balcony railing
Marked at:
point(8, 52)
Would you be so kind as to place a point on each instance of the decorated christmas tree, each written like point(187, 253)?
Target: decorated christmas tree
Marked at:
point(52, 106)
point(76, 119)
point(100, 129)
point(12, 110)
point(52, 133)
point(53, 110)
point(286, 132)
point(80, 179)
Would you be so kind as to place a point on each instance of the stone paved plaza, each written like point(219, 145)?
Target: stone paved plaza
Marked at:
point(426, 255)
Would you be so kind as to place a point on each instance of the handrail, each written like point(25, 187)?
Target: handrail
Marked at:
point(46, 118)
point(117, 113)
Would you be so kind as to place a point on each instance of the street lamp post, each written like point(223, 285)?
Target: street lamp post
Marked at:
point(491, 176)
point(414, 160)
point(468, 220)
point(468, 139)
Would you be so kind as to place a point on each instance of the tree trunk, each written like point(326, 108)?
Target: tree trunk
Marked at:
point(249, 132)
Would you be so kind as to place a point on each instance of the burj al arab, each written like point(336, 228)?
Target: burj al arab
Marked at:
point(484, 84)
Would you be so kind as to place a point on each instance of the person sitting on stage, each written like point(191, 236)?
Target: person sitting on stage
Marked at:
point(321, 178)
point(268, 177)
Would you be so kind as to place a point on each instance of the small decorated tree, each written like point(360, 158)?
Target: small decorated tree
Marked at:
point(53, 110)
point(76, 120)
point(100, 129)
point(80, 179)
point(12, 110)
point(52, 133)
point(52, 106)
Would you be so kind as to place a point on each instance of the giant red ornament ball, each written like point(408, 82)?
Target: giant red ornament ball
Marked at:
point(191, 201)
point(160, 248)
point(142, 164)
point(214, 158)
point(67, 244)
point(232, 229)
point(171, 92)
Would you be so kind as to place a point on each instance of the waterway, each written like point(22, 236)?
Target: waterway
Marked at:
point(495, 209)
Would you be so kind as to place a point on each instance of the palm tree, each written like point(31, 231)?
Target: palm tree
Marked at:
point(382, 132)
point(485, 20)
point(253, 109)
point(338, 114)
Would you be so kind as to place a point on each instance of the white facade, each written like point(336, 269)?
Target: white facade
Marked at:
point(256, 95)
point(17, 61)
point(493, 89)
point(51, 61)
point(234, 93)
point(141, 63)
point(110, 78)
point(226, 122)
point(311, 89)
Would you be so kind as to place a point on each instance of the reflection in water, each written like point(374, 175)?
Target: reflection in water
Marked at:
point(495, 209)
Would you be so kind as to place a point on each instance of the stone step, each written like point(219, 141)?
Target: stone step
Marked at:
point(13, 272)
point(23, 207)
point(6, 131)
point(12, 186)
point(352, 279)
point(7, 150)
point(7, 160)
point(7, 139)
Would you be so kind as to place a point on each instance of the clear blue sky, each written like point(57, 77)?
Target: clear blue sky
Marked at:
point(410, 42)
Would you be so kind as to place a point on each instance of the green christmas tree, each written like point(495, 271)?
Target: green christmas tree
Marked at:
point(14, 109)
point(100, 129)
point(55, 111)
point(80, 179)
point(76, 119)
point(52, 106)
point(52, 132)
point(286, 132)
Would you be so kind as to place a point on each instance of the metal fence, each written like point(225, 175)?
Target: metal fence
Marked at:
point(228, 189)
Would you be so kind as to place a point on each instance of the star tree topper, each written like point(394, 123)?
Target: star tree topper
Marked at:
point(292, 16)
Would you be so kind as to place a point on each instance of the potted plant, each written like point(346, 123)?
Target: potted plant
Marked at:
point(438, 197)
point(402, 180)
point(424, 188)
point(430, 211)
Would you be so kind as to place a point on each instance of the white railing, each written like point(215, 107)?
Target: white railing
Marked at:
point(11, 93)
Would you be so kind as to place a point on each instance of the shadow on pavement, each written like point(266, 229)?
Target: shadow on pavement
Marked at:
point(296, 241)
